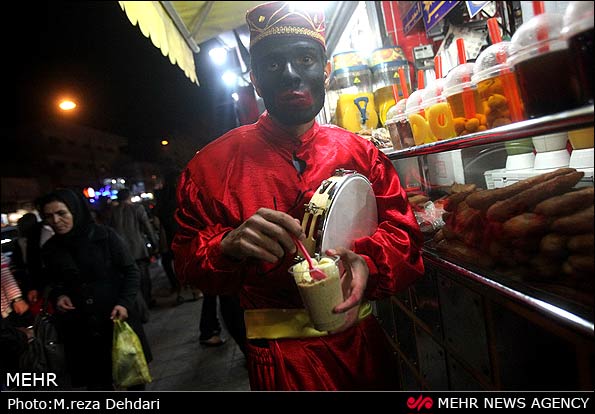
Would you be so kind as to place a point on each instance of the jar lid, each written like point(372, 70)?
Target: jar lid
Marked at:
point(414, 102)
point(389, 66)
point(396, 112)
point(458, 79)
point(433, 93)
point(578, 17)
point(387, 54)
point(492, 62)
point(351, 58)
point(540, 34)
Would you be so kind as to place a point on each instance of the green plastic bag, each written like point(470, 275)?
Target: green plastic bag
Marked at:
point(129, 366)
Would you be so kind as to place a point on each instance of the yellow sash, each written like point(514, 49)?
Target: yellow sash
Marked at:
point(286, 323)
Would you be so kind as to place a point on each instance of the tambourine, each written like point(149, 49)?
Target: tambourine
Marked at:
point(342, 209)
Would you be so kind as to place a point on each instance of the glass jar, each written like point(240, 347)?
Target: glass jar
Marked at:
point(497, 86)
point(578, 30)
point(422, 134)
point(437, 111)
point(385, 64)
point(463, 99)
point(350, 69)
point(545, 72)
point(398, 126)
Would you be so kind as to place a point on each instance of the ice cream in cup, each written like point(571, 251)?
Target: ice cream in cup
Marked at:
point(320, 297)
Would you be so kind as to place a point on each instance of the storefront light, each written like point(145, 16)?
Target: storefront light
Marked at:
point(218, 55)
point(229, 78)
point(89, 192)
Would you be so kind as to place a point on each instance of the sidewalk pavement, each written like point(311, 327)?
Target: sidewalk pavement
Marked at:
point(180, 363)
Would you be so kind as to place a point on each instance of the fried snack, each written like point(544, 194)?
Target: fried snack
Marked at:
point(482, 200)
point(452, 201)
point(497, 249)
point(526, 244)
point(567, 269)
point(545, 268)
point(567, 203)
point(527, 199)
point(520, 256)
point(462, 188)
point(471, 227)
point(418, 199)
point(525, 225)
point(460, 252)
point(449, 234)
point(554, 245)
point(577, 223)
point(582, 263)
point(462, 212)
point(582, 243)
point(501, 253)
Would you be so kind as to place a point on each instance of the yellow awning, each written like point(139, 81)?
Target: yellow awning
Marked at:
point(178, 27)
point(155, 24)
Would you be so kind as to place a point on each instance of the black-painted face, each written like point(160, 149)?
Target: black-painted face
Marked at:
point(289, 76)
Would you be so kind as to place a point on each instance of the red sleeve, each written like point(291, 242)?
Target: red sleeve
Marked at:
point(393, 252)
point(197, 255)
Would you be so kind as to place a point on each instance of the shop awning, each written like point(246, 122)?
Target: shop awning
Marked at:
point(178, 27)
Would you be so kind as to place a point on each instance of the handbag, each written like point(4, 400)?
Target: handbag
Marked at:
point(129, 365)
point(45, 350)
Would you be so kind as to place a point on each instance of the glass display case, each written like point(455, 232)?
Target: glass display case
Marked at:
point(507, 299)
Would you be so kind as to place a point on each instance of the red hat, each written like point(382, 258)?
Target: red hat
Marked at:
point(278, 18)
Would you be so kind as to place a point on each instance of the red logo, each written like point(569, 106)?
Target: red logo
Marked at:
point(420, 403)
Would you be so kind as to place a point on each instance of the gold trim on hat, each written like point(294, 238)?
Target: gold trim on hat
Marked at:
point(288, 30)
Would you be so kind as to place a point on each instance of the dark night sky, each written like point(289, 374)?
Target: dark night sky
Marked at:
point(123, 84)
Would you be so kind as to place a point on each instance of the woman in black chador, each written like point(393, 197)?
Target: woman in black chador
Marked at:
point(95, 280)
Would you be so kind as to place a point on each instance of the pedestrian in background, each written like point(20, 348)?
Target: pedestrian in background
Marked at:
point(132, 222)
point(95, 280)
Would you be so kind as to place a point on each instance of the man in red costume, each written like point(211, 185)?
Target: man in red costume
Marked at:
point(242, 197)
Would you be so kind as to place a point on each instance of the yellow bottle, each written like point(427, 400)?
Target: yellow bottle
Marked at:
point(349, 115)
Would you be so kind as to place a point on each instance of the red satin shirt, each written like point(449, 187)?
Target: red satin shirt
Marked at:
point(252, 167)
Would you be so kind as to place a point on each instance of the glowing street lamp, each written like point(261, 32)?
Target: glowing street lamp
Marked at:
point(67, 105)
point(164, 142)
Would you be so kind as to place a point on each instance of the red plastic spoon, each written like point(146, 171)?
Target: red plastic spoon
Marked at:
point(316, 274)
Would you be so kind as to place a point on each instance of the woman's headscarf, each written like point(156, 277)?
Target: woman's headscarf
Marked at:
point(76, 203)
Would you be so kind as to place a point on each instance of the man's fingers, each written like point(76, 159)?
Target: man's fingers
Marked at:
point(353, 300)
point(266, 235)
point(274, 225)
point(284, 220)
point(254, 250)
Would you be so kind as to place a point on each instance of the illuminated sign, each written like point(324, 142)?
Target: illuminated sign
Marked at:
point(412, 17)
point(434, 11)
